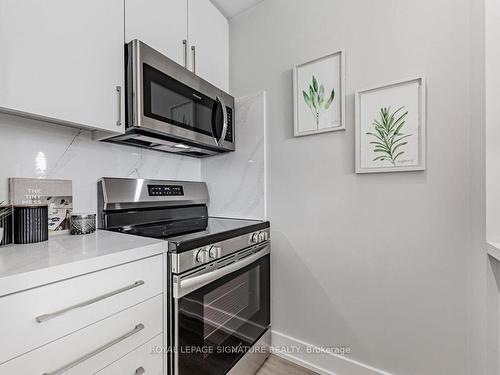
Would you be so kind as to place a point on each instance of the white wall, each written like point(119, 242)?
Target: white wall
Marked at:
point(493, 119)
point(391, 265)
point(492, 322)
point(479, 271)
point(493, 178)
point(72, 154)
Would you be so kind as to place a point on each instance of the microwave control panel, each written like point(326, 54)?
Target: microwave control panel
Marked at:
point(165, 190)
point(229, 132)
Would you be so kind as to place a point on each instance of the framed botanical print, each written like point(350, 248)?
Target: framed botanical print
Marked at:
point(390, 127)
point(319, 95)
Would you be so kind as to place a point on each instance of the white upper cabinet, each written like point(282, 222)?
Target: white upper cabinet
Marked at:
point(208, 35)
point(161, 24)
point(62, 60)
point(166, 24)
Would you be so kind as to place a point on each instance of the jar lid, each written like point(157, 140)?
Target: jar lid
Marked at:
point(83, 216)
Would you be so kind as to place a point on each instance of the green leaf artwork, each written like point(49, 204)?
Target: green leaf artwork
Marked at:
point(390, 141)
point(316, 100)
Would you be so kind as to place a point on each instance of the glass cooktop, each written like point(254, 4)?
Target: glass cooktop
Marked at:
point(196, 232)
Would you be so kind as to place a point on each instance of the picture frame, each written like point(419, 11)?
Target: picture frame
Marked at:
point(314, 83)
point(390, 127)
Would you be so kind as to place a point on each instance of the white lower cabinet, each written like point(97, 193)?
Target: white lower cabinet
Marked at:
point(91, 349)
point(44, 314)
point(142, 360)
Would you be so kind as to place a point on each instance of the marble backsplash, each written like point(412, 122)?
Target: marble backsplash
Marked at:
point(237, 180)
point(31, 148)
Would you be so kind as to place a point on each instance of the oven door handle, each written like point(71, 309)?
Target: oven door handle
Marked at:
point(187, 285)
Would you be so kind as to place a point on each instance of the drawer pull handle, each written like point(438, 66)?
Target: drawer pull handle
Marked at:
point(138, 328)
point(140, 371)
point(45, 317)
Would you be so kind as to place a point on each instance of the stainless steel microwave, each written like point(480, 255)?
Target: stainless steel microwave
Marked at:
point(169, 108)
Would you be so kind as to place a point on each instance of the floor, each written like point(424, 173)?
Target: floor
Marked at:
point(279, 366)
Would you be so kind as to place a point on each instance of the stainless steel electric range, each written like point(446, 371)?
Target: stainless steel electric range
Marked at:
point(218, 273)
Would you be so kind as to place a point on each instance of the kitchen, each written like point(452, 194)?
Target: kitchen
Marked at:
point(332, 288)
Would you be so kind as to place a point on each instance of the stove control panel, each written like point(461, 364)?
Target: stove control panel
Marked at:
point(212, 254)
point(165, 190)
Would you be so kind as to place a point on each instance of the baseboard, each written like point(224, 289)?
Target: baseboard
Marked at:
point(324, 363)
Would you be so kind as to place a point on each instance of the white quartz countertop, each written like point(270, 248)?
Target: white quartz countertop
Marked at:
point(64, 256)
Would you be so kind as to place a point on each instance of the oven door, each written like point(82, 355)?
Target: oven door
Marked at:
point(220, 314)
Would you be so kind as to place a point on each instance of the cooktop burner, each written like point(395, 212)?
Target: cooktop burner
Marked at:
point(167, 229)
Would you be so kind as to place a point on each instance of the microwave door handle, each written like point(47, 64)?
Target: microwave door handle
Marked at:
point(224, 123)
point(191, 283)
point(193, 49)
point(184, 45)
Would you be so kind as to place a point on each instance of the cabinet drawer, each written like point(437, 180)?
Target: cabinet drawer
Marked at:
point(38, 316)
point(140, 361)
point(94, 347)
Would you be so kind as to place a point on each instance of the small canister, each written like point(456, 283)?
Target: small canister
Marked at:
point(82, 223)
point(31, 224)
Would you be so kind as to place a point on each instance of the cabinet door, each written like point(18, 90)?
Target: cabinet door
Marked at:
point(161, 24)
point(208, 33)
point(62, 60)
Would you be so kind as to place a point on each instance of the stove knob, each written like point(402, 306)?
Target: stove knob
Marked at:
point(214, 252)
point(255, 238)
point(262, 236)
point(201, 256)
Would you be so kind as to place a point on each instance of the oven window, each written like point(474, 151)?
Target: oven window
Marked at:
point(230, 306)
point(218, 323)
point(170, 101)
